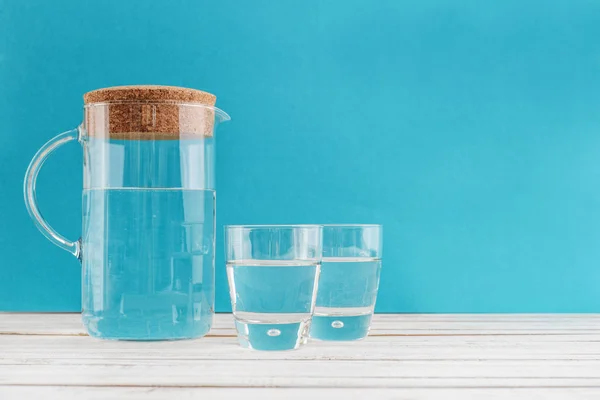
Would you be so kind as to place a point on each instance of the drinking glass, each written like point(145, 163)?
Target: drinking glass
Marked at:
point(349, 282)
point(273, 272)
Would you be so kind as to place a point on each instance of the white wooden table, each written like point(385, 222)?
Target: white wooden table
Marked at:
point(48, 356)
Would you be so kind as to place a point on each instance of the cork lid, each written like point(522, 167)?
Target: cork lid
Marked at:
point(149, 112)
point(149, 93)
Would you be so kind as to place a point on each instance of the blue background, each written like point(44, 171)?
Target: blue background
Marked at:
point(470, 129)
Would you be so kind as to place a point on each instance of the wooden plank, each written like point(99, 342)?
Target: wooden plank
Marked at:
point(315, 373)
point(383, 324)
point(325, 382)
point(155, 393)
point(64, 349)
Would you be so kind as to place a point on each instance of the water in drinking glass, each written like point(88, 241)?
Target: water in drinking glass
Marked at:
point(272, 301)
point(346, 298)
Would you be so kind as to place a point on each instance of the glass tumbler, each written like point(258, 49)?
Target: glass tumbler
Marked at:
point(349, 282)
point(148, 235)
point(273, 272)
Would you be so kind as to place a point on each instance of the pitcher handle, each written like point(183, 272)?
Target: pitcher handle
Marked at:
point(29, 191)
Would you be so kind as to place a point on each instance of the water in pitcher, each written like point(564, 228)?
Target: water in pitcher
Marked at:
point(148, 257)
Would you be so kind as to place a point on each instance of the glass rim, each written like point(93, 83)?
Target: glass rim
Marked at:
point(273, 226)
point(351, 225)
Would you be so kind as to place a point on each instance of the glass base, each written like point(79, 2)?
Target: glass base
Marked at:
point(340, 328)
point(273, 335)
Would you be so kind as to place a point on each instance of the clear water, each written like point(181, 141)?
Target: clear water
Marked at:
point(272, 302)
point(148, 263)
point(346, 298)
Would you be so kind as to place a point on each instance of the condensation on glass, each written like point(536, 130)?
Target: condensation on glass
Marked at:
point(148, 237)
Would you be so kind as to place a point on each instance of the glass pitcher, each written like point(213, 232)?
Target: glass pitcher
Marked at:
point(148, 241)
